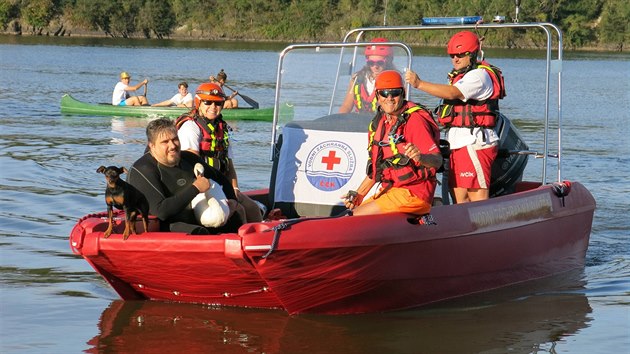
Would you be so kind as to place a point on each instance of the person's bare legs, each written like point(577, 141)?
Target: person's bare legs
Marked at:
point(230, 103)
point(136, 101)
point(370, 208)
point(476, 194)
point(461, 195)
point(464, 195)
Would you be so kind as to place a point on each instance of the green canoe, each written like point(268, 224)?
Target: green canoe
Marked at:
point(70, 105)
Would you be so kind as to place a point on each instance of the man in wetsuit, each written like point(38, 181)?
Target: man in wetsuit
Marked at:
point(165, 176)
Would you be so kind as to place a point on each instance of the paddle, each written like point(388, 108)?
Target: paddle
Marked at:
point(146, 88)
point(247, 99)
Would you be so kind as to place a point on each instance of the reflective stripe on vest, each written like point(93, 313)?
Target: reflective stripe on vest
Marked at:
point(214, 142)
point(361, 98)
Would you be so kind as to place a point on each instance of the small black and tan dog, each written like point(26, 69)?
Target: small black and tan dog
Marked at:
point(123, 196)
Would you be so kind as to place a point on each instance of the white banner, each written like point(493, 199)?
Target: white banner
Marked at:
point(319, 167)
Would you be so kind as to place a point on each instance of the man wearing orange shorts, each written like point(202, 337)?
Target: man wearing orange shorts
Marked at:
point(404, 154)
point(469, 111)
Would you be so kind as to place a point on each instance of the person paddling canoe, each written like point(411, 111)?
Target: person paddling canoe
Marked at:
point(121, 97)
point(221, 79)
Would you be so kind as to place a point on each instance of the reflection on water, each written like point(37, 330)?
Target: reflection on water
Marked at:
point(517, 326)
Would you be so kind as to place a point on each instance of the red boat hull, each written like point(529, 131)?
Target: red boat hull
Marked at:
point(171, 266)
point(352, 264)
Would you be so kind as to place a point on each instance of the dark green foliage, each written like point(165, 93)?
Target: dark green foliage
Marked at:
point(38, 13)
point(615, 27)
point(93, 14)
point(9, 10)
point(585, 23)
point(158, 17)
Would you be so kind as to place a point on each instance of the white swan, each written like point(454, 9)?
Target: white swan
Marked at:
point(211, 208)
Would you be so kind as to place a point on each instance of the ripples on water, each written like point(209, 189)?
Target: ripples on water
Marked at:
point(54, 302)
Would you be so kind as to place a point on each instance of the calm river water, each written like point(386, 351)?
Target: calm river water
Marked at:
point(53, 302)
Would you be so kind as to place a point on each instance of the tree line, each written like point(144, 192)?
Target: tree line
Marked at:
point(586, 23)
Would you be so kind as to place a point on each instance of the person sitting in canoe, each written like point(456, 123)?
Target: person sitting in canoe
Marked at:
point(121, 96)
point(404, 154)
point(165, 175)
point(361, 96)
point(183, 98)
point(221, 79)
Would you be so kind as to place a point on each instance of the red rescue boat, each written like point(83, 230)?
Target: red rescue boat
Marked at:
point(316, 261)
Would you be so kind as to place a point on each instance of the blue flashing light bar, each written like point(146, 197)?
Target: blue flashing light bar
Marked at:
point(462, 20)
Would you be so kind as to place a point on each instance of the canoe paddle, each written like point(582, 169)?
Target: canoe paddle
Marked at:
point(247, 99)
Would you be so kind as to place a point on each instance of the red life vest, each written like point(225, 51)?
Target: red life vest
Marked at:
point(215, 139)
point(363, 102)
point(396, 169)
point(473, 113)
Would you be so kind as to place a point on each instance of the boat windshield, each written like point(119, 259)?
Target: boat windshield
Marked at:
point(314, 79)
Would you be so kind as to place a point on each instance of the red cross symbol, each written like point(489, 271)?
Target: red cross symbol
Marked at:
point(331, 160)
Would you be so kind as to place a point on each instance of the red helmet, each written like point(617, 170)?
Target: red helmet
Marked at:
point(382, 50)
point(209, 91)
point(462, 42)
point(389, 79)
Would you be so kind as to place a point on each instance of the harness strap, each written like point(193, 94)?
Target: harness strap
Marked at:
point(398, 160)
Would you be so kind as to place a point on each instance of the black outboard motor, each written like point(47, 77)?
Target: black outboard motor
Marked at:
point(507, 169)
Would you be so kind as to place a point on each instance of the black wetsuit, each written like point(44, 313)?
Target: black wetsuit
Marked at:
point(170, 190)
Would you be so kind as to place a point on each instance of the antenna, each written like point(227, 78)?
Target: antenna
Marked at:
point(385, 15)
point(518, 4)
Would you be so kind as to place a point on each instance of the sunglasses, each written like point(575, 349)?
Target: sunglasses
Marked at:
point(390, 92)
point(380, 63)
point(460, 55)
point(210, 103)
point(214, 92)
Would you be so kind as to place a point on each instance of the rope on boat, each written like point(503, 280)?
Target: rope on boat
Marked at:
point(97, 215)
point(287, 224)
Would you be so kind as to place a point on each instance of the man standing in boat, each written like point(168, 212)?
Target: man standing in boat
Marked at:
point(469, 111)
point(403, 154)
point(204, 132)
point(121, 97)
